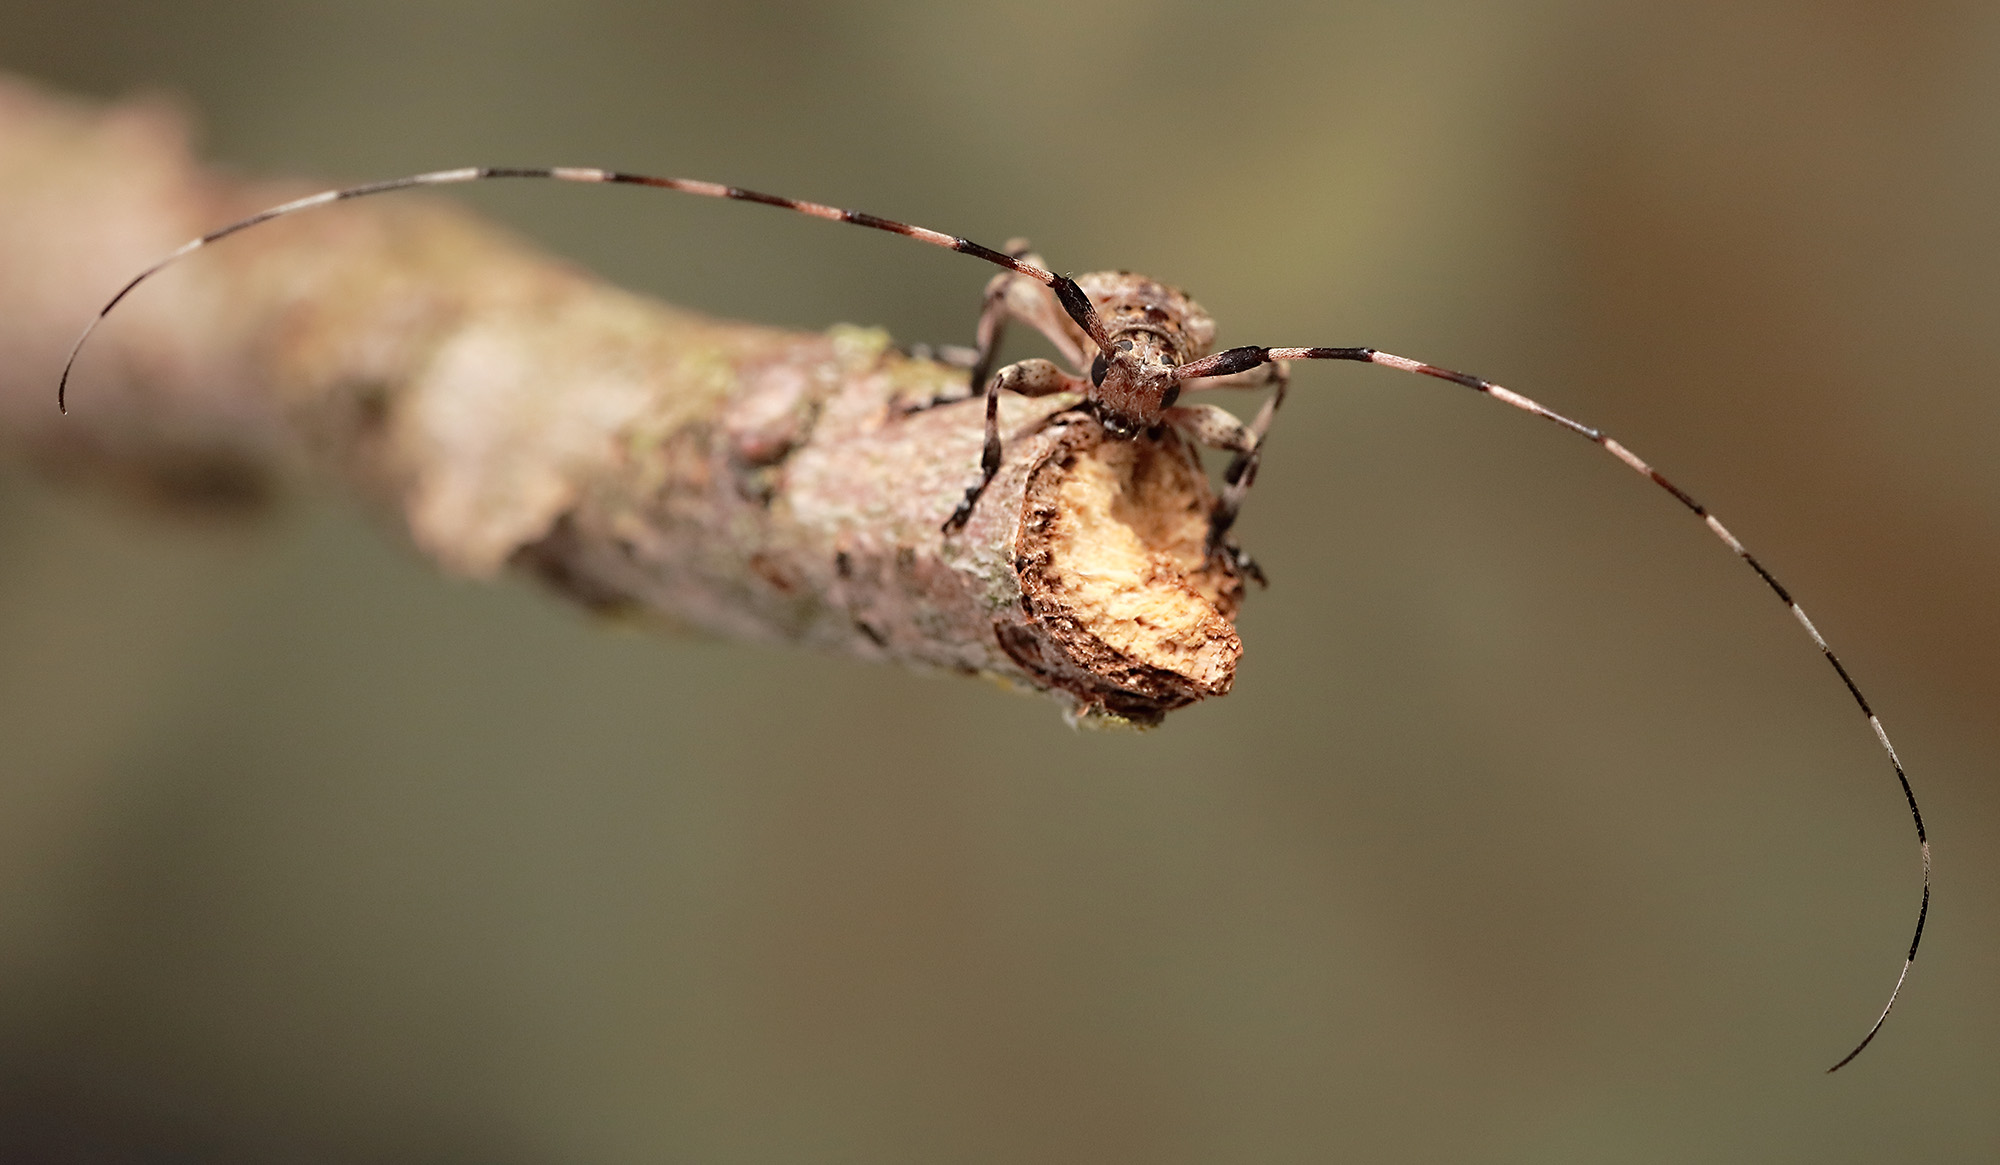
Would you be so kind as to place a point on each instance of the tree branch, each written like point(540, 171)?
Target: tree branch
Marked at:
point(756, 483)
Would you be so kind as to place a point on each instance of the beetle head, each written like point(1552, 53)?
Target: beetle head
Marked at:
point(1150, 330)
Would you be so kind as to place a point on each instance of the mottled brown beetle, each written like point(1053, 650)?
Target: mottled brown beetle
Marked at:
point(1135, 346)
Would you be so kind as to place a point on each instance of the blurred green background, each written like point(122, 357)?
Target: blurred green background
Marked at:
point(1533, 831)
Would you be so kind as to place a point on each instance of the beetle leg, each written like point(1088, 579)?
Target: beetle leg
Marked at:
point(1210, 426)
point(1028, 378)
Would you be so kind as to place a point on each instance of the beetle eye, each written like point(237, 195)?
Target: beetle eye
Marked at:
point(1097, 370)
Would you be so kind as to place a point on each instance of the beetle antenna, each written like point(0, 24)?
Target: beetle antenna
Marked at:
point(1073, 300)
point(1243, 359)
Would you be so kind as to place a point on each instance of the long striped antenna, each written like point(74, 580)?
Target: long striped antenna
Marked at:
point(1243, 359)
point(1073, 300)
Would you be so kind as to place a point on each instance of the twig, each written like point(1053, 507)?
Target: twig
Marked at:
point(757, 483)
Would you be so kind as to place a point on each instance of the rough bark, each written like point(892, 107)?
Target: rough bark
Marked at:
point(753, 482)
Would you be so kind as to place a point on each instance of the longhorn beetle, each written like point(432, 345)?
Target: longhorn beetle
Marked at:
point(1146, 343)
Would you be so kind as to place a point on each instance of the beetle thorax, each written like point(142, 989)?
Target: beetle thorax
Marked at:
point(1154, 329)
